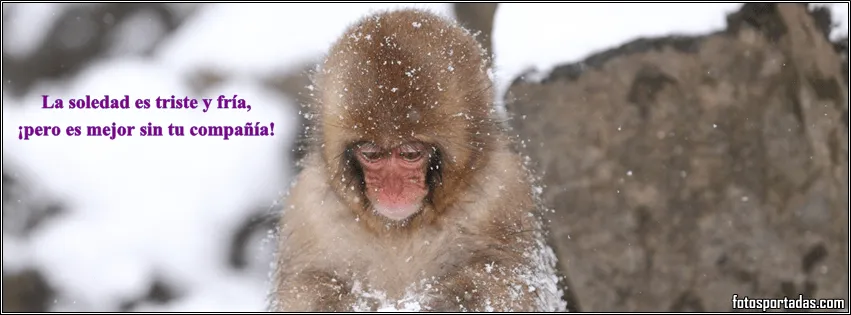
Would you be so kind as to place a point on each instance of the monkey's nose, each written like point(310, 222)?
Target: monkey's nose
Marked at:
point(394, 186)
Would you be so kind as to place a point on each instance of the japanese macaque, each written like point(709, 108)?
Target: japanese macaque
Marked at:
point(410, 195)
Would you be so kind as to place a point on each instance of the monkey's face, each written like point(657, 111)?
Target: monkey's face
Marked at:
point(394, 178)
point(404, 118)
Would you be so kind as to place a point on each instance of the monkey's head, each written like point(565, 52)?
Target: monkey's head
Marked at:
point(405, 114)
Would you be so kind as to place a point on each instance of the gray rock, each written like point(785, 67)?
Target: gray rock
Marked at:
point(683, 170)
point(26, 291)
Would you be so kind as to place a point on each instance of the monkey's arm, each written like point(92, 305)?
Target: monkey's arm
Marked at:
point(314, 290)
point(484, 285)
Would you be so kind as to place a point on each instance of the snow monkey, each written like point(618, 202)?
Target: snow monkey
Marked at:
point(410, 196)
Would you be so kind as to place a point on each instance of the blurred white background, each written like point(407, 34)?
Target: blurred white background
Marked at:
point(143, 223)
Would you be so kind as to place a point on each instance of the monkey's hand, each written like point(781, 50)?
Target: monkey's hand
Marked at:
point(311, 291)
point(486, 287)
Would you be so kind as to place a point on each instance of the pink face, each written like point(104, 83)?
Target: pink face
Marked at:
point(395, 178)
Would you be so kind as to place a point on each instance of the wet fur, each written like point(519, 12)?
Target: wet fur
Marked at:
point(464, 248)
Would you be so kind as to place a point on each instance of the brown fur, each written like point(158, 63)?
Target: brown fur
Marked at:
point(396, 77)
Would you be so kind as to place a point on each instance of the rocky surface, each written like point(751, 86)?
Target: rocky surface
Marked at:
point(26, 291)
point(683, 170)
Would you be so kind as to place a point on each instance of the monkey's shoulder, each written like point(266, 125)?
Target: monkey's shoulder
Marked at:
point(313, 219)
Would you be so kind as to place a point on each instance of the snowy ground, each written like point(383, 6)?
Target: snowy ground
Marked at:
point(144, 207)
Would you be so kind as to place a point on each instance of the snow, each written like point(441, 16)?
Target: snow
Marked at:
point(211, 40)
point(543, 35)
point(407, 307)
point(137, 33)
point(31, 23)
point(143, 208)
point(839, 16)
point(228, 292)
point(15, 254)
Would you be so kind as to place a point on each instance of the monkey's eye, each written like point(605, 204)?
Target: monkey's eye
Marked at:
point(369, 152)
point(411, 156)
point(371, 156)
point(411, 152)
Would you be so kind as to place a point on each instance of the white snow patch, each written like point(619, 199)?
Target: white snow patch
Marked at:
point(839, 16)
point(16, 254)
point(408, 307)
point(228, 292)
point(544, 35)
point(258, 38)
point(143, 207)
point(137, 33)
point(30, 22)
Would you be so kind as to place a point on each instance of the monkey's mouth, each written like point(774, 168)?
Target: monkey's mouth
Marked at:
point(397, 213)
